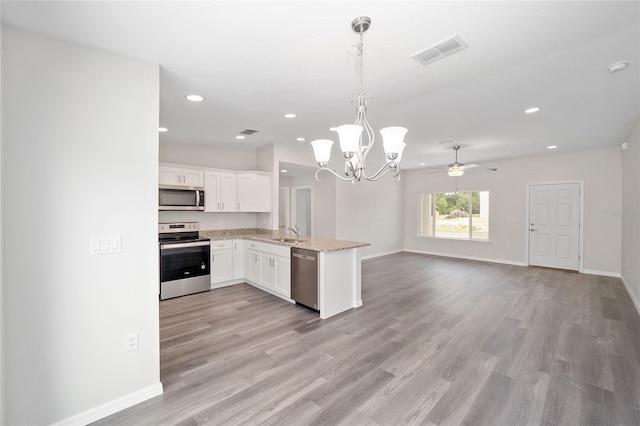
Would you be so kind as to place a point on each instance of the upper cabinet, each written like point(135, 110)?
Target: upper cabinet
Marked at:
point(225, 191)
point(180, 176)
point(254, 192)
point(220, 191)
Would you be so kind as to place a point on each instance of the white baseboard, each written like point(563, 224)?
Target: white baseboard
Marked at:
point(601, 273)
point(386, 253)
point(455, 256)
point(111, 407)
point(226, 284)
point(635, 301)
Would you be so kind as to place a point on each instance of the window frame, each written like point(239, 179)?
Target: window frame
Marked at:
point(431, 216)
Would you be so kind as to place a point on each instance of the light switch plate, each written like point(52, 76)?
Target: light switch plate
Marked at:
point(105, 245)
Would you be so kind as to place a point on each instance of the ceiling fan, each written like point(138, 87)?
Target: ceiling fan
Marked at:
point(457, 169)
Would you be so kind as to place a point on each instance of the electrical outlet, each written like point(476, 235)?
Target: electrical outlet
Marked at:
point(130, 342)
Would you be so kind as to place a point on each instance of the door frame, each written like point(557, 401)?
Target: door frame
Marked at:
point(580, 225)
point(294, 190)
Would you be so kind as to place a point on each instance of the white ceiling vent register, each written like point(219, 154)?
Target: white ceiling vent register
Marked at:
point(440, 50)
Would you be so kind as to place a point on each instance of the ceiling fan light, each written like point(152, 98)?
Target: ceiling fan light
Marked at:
point(455, 172)
point(322, 150)
point(349, 137)
point(392, 139)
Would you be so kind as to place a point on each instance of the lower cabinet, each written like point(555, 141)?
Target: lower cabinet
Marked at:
point(267, 265)
point(221, 261)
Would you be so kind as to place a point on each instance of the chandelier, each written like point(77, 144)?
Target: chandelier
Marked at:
point(351, 136)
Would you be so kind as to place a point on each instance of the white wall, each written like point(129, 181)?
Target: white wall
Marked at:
point(2, 344)
point(630, 221)
point(214, 156)
point(600, 169)
point(323, 203)
point(80, 159)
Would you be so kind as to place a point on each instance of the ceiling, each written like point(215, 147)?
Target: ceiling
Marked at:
point(255, 61)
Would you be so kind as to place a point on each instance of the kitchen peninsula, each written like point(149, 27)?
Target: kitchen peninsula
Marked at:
point(262, 258)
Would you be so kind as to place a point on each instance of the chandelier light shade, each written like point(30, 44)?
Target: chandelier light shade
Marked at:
point(322, 150)
point(356, 140)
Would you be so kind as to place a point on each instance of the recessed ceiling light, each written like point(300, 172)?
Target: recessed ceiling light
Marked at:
point(531, 110)
point(239, 137)
point(552, 146)
point(290, 115)
point(283, 171)
point(162, 129)
point(617, 66)
point(194, 98)
point(300, 139)
point(423, 164)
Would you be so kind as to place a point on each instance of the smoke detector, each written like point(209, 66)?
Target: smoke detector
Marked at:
point(440, 50)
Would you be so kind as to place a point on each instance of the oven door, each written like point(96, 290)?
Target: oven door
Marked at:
point(184, 268)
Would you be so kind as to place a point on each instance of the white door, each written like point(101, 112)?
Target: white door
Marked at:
point(554, 225)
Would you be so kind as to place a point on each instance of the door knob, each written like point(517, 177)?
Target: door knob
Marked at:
point(533, 230)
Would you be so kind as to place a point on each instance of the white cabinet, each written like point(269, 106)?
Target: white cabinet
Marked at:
point(246, 192)
point(221, 261)
point(220, 191)
point(238, 259)
point(254, 192)
point(282, 279)
point(168, 175)
point(269, 266)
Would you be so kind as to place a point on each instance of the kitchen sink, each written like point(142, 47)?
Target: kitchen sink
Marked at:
point(289, 240)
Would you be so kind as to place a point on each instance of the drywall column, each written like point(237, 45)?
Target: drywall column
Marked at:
point(80, 160)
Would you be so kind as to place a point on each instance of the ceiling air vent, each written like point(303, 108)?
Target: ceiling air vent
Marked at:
point(248, 132)
point(440, 50)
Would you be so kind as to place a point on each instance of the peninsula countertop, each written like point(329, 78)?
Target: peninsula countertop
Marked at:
point(273, 237)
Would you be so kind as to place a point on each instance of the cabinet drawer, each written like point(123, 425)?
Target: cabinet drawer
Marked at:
point(253, 245)
point(221, 244)
point(284, 251)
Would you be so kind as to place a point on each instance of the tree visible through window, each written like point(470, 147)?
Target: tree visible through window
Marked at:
point(461, 215)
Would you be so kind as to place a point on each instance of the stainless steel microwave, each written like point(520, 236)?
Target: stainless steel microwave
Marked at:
point(173, 197)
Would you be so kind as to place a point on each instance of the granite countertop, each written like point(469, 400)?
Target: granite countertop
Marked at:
point(267, 236)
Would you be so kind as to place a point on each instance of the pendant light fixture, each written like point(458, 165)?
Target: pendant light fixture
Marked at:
point(351, 136)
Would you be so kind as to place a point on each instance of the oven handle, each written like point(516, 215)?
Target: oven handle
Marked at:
point(183, 245)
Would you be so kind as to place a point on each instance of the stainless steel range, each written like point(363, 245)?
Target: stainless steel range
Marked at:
point(184, 260)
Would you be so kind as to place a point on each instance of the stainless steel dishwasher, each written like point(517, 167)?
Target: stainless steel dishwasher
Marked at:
point(304, 277)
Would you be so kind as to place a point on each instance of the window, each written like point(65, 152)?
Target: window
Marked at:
point(459, 215)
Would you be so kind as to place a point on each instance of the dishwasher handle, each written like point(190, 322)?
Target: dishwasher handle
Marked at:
point(304, 257)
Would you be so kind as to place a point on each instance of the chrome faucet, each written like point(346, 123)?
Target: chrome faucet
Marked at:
point(295, 231)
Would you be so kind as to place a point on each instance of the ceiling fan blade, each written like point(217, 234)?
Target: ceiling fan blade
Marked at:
point(469, 166)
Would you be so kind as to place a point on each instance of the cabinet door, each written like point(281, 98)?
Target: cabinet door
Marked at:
point(246, 192)
point(267, 271)
point(211, 191)
point(254, 266)
point(263, 193)
point(227, 192)
point(221, 266)
point(169, 175)
point(282, 279)
point(192, 177)
point(238, 259)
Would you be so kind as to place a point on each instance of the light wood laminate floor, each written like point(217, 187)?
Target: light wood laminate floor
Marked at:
point(438, 341)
